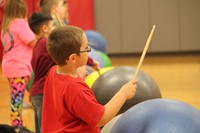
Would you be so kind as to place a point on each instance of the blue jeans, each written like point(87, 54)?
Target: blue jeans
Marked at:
point(36, 101)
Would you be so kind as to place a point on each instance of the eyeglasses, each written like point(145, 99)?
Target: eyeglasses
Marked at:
point(87, 50)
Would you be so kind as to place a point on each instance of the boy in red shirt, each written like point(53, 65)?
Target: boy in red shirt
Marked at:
point(41, 24)
point(69, 105)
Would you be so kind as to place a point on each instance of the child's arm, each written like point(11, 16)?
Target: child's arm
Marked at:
point(82, 71)
point(126, 92)
point(32, 43)
point(93, 63)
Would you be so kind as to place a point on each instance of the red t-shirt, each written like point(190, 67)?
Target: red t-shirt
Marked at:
point(41, 63)
point(69, 105)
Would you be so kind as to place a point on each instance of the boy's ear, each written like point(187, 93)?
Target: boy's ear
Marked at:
point(72, 58)
point(44, 28)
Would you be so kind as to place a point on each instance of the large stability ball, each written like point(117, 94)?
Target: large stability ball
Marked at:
point(109, 83)
point(91, 78)
point(159, 116)
point(107, 128)
point(105, 58)
point(96, 40)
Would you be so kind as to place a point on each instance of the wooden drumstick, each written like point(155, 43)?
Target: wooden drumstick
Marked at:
point(59, 21)
point(144, 53)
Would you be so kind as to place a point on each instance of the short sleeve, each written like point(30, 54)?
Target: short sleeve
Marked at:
point(25, 33)
point(86, 107)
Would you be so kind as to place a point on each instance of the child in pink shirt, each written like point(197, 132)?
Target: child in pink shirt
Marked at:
point(18, 40)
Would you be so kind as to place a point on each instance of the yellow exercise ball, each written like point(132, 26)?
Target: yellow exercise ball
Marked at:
point(91, 78)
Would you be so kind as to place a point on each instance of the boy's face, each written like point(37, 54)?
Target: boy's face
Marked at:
point(50, 26)
point(47, 28)
point(62, 9)
point(84, 49)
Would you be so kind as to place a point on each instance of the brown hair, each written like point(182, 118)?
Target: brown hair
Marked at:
point(46, 5)
point(13, 9)
point(37, 20)
point(64, 41)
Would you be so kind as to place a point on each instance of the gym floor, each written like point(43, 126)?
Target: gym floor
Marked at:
point(177, 75)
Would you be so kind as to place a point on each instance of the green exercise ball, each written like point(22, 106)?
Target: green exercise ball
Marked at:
point(105, 58)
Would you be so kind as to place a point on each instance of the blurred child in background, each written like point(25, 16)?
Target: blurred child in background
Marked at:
point(59, 11)
point(41, 24)
point(18, 41)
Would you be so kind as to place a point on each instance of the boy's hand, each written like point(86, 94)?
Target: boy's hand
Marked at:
point(95, 65)
point(82, 71)
point(129, 89)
